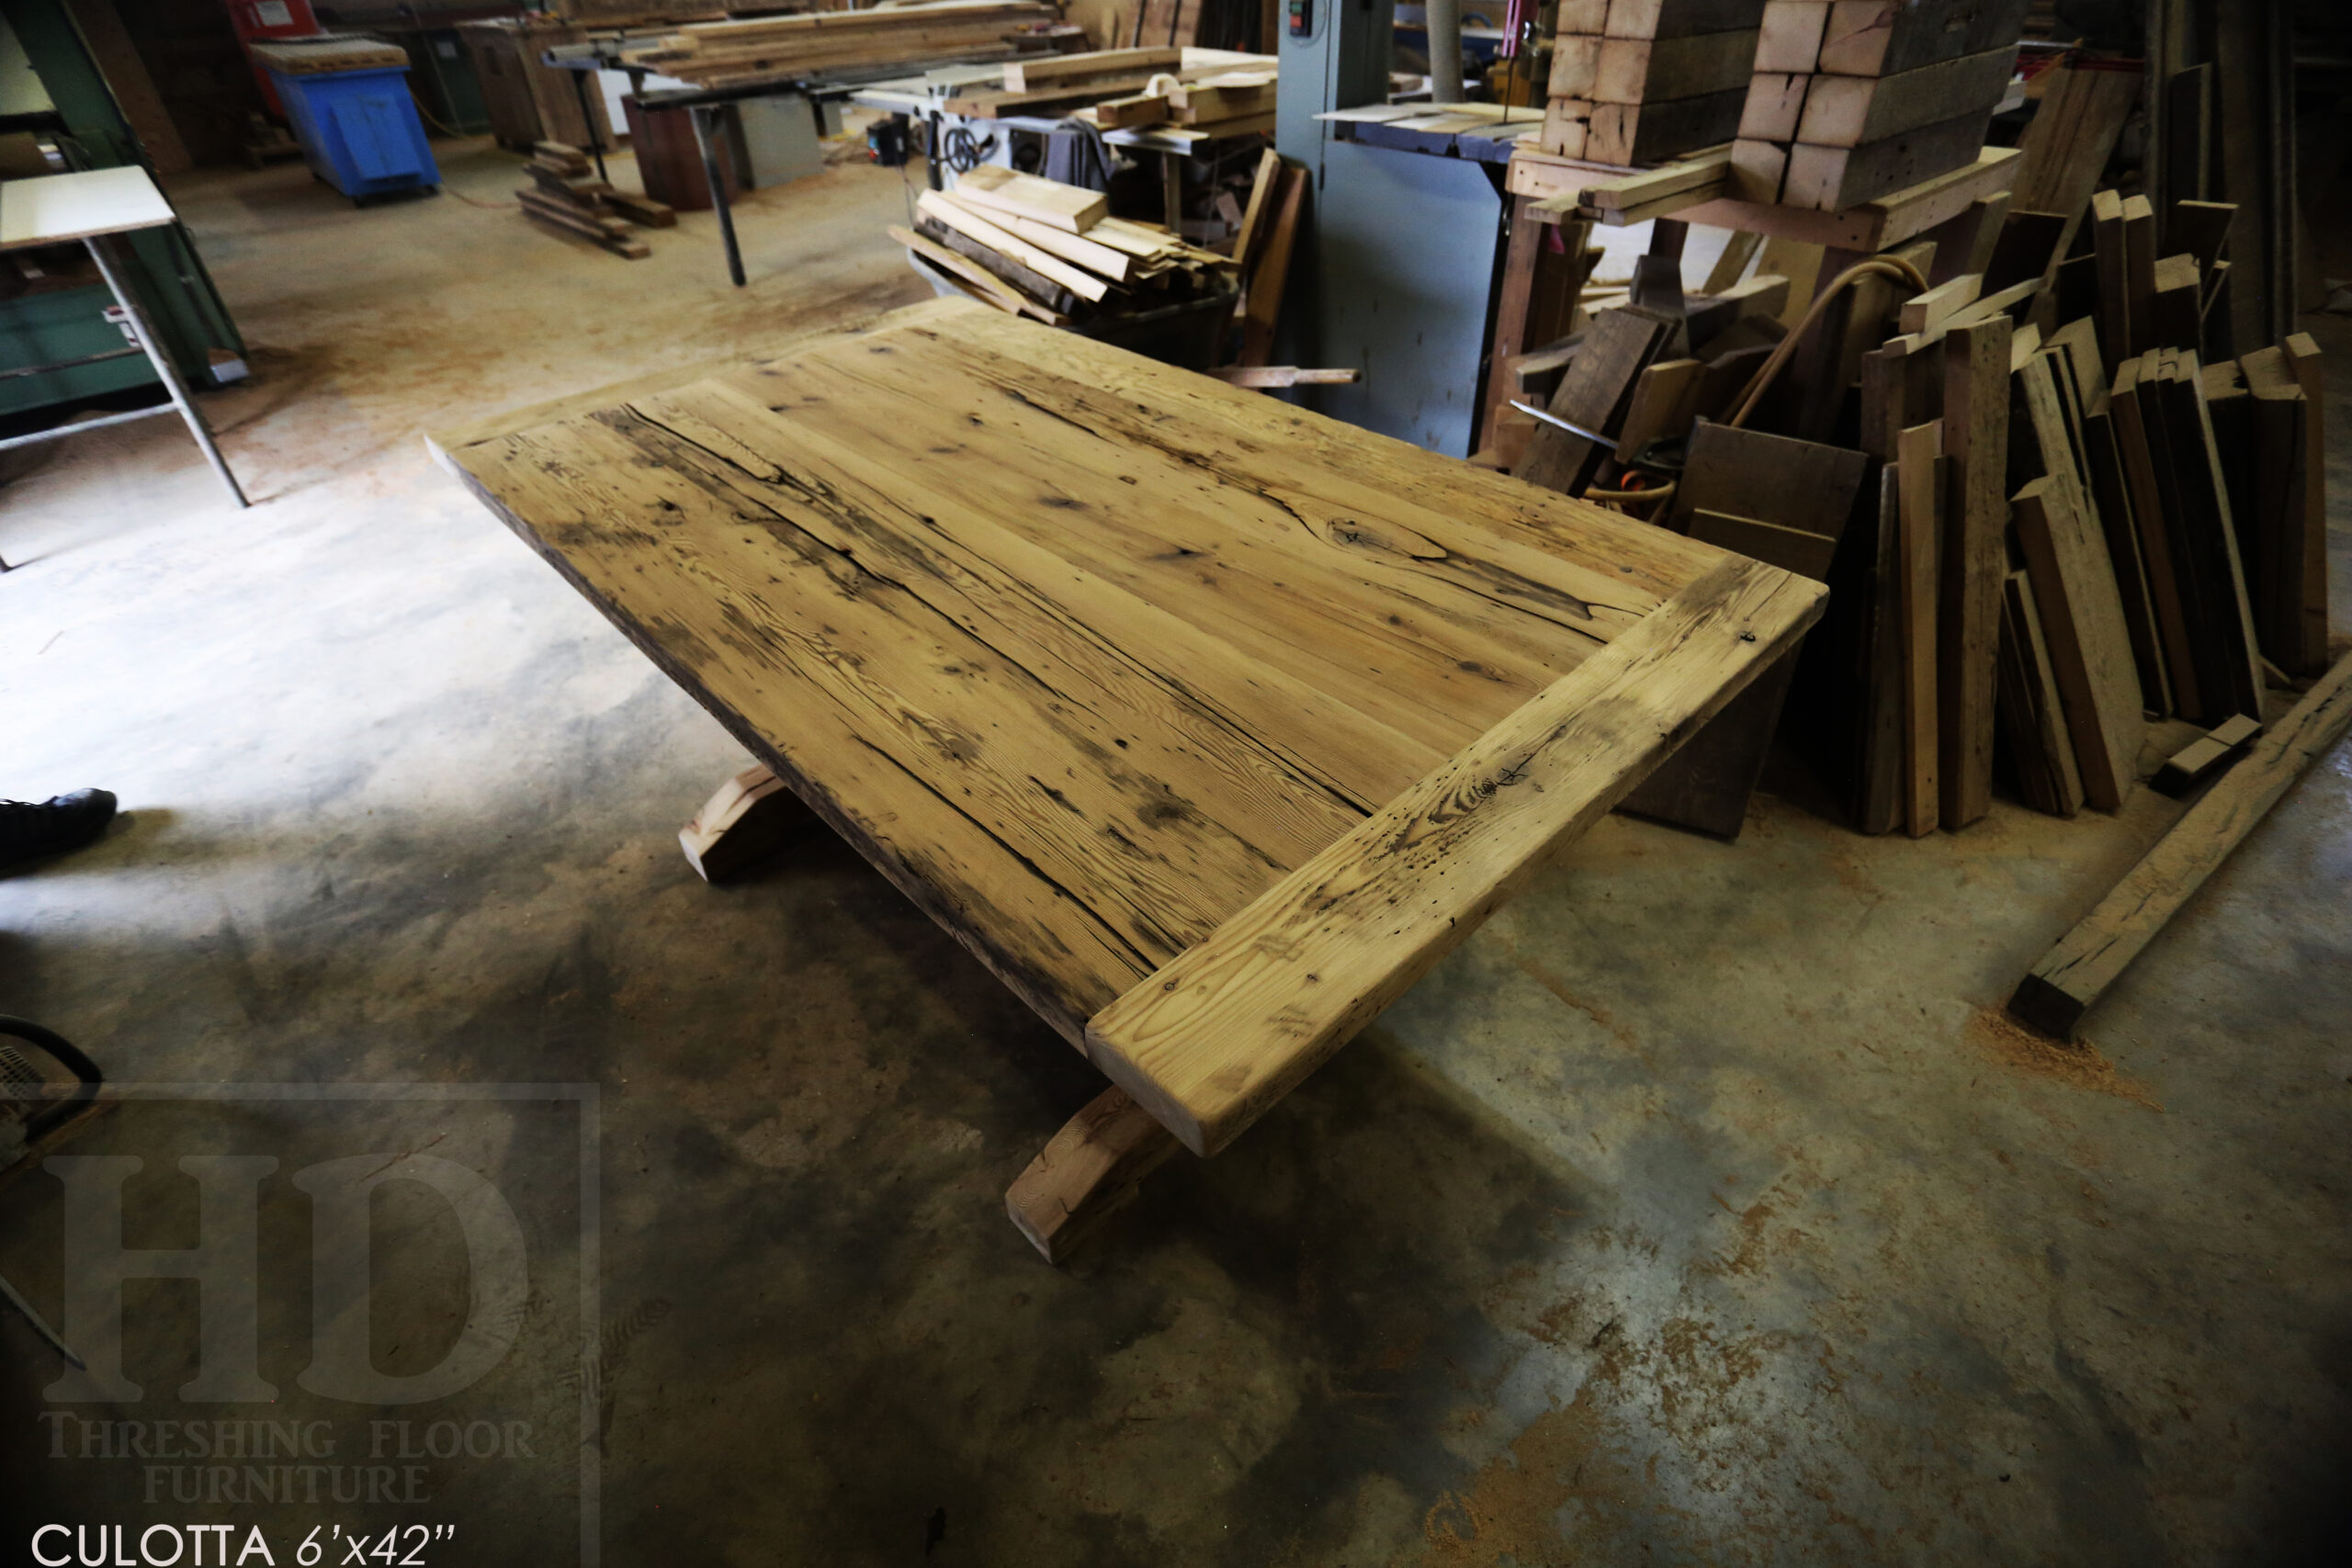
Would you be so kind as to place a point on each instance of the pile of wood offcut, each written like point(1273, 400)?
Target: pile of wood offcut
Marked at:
point(717, 53)
point(1210, 91)
point(565, 194)
point(1040, 248)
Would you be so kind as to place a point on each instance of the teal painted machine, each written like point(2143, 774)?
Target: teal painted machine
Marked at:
point(62, 316)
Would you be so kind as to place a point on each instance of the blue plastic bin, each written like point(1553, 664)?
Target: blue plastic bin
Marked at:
point(359, 129)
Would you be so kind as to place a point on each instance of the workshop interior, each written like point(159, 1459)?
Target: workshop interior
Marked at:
point(1241, 782)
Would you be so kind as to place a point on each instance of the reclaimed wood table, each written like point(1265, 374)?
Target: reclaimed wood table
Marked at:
point(1207, 723)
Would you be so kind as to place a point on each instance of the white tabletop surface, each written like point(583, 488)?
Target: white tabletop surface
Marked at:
point(52, 207)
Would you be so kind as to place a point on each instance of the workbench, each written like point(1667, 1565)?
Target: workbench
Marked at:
point(93, 206)
point(1206, 723)
point(703, 106)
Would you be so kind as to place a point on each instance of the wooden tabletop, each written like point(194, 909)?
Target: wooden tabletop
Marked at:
point(1090, 655)
point(49, 208)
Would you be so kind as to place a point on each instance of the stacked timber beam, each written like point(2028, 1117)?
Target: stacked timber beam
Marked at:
point(1854, 98)
point(1640, 81)
point(1050, 250)
point(721, 53)
point(565, 194)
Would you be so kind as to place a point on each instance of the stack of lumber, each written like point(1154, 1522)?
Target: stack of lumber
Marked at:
point(565, 194)
point(1212, 91)
point(1638, 80)
point(720, 53)
point(2040, 545)
point(1050, 250)
point(1854, 98)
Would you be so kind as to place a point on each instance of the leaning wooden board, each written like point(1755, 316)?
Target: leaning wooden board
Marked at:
point(1207, 723)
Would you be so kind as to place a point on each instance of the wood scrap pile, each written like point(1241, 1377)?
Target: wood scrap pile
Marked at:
point(1112, 89)
point(2056, 508)
point(1639, 80)
point(1853, 99)
point(565, 194)
point(1050, 250)
point(717, 53)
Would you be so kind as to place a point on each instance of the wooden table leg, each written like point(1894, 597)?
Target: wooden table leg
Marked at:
point(1086, 1173)
point(745, 822)
point(1705, 786)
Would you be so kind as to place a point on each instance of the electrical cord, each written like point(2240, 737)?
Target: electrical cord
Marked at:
point(1894, 268)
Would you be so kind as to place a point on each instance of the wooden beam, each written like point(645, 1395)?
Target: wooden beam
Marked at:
point(2310, 647)
point(2140, 273)
point(1049, 202)
point(1849, 111)
point(1926, 312)
point(1277, 376)
point(1976, 451)
point(2082, 625)
point(1832, 179)
point(1213, 1037)
point(2138, 444)
point(2086, 962)
point(2201, 758)
point(1618, 347)
point(1262, 306)
point(1920, 481)
point(750, 818)
point(1088, 1171)
point(2114, 279)
point(1790, 37)
point(2031, 709)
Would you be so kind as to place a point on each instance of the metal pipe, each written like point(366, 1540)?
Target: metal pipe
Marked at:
point(1550, 418)
point(98, 245)
point(59, 432)
point(707, 132)
point(1444, 24)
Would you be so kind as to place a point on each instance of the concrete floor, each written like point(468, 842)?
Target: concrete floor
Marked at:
point(1696, 1211)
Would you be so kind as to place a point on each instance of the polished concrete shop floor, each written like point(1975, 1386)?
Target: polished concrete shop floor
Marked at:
point(1698, 1211)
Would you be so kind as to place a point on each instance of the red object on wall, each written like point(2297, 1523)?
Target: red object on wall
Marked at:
point(270, 19)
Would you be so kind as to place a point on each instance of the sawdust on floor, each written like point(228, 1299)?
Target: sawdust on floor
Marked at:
point(2078, 1065)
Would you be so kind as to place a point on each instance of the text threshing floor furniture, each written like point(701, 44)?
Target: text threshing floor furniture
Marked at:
point(1207, 723)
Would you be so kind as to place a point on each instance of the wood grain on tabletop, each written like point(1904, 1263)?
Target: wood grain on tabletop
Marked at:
point(1084, 653)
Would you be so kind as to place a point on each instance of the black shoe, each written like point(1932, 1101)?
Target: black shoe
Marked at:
point(64, 822)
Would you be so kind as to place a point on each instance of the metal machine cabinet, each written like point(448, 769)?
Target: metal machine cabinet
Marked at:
point(1400, 249)
point(57, 327)
point(159, 266)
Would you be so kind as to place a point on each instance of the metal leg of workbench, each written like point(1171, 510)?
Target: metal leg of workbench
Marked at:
point(704, 131)
point(98, 247)
point(1171, 189)
point(588, 122)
